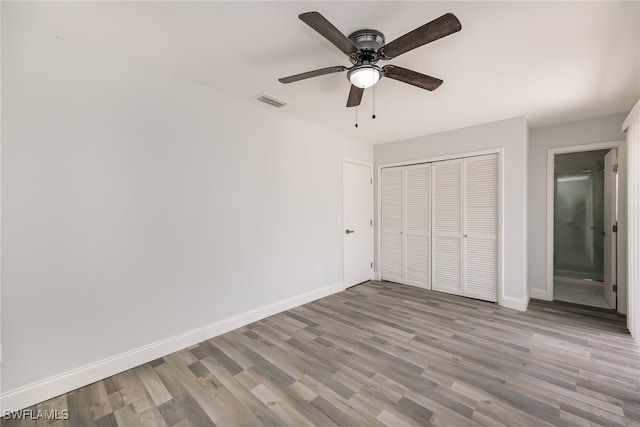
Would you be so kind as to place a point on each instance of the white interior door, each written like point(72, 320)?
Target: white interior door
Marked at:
point(358, 222)
point(446, 260)
point(481, 227)
point(391, 264)
point(417, 226)
point(610, 220)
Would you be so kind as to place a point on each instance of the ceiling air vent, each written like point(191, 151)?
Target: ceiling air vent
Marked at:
point(271, 100)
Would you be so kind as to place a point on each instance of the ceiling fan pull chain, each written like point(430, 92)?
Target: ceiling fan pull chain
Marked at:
point(356, 116)
point(373, 116)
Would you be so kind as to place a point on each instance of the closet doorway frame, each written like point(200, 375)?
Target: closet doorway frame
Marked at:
point(622, 223)
point(499, 151)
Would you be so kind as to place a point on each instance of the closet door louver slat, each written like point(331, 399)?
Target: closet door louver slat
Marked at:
point(481, 227)
point(392, 223)
point(418, 226)
point(447, 227)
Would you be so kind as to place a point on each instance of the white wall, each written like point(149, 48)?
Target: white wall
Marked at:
point(602, 129)
point(1, 352)
point(511, 136)
point(137, 206)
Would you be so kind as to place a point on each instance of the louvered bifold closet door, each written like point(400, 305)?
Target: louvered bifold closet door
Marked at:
point(418, 226)
point(481, 227)
point(447, 227)
point(392, 223)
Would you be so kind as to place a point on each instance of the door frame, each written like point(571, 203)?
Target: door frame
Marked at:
point(622, 252)
point(500, 153)
point(371, 211)
point(610, 252)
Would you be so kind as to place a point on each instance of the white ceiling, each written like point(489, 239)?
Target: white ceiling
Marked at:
point(548, 61)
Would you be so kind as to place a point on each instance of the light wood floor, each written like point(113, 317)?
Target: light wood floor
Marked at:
point(384, 354)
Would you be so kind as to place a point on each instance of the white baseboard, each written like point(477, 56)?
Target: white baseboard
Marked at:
point(519, 304)
point(65, 382)
point(539, 294)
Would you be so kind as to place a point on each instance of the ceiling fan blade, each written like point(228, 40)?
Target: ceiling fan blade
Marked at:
point(314, 73)
point(355, 96)
point(434, 30)
point(411, 77)
point(326, 29)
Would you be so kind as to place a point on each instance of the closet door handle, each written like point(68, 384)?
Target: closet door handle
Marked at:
point(349, 231)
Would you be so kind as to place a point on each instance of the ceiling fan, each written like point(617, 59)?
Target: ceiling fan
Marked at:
point(366, 47)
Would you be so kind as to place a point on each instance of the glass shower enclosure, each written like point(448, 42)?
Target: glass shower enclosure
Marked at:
point(579, 225)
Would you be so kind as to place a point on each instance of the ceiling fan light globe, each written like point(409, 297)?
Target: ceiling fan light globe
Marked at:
point(364, 77)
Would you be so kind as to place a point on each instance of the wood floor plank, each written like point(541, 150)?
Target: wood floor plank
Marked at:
point(244, 395)
point(126, 416)
point(156, 389)
point(185, 407)
point(108, 420)
point(151, 418)
point(281, 408)
point(207, 393)
point(383, 354)
point(210, 349)
point(130, 387)
point(170, 413)
point(390, 419)
point(78, 404)
point(300, 402)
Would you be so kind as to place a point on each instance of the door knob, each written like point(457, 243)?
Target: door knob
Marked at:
point(349, 231)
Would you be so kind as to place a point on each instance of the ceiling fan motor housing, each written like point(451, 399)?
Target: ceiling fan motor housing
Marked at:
point(368, 42)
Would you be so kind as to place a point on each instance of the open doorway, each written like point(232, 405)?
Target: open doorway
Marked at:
point(585, 221)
